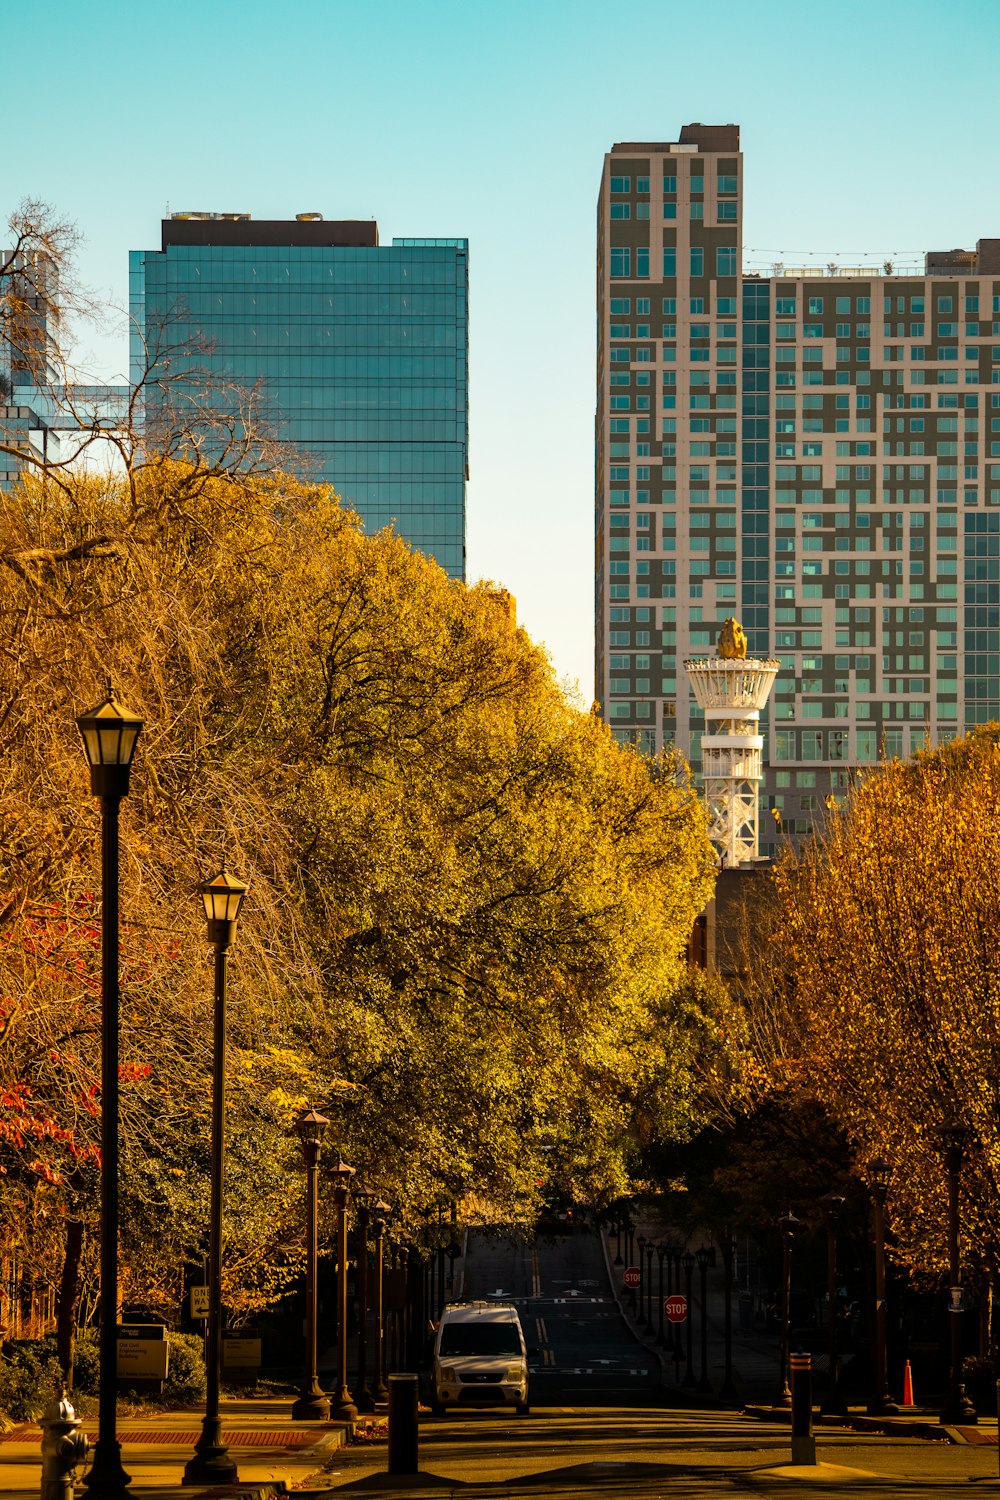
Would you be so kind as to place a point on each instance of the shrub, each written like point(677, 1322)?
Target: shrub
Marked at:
point(186, 1380)
point(29, 1377)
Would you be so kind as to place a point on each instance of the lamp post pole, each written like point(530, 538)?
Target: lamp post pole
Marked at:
point(342, 1408)
point(728, 1246)
point(618, 1240)
point(834, 1404)
point(703, 1256)
point(788, 1224)
point(881, 1403)
point(382, 1211)
point(641, 1242)
point(661, 1251)
point(109, 732)
point(954, 1136)
point(364, 1197)
point(211, 1461)
point(669, 1252)
point(312, 1403)
point(649, 1284)
point(688, 1262)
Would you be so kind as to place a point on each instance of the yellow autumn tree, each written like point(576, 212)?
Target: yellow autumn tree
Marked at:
point(893, 981)
point(466, 899)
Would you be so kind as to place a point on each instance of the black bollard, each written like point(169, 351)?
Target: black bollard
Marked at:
point(803, 1442)
point(403, 1444)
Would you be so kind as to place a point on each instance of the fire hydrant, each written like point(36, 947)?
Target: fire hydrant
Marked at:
point(64, 1446)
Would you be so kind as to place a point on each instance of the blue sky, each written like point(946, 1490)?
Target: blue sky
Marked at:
point(868, 131)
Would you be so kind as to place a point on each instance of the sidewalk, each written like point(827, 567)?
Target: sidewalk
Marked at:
point(272, 1452)
point(755, 1359)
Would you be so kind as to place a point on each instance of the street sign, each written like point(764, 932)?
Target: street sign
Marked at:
point(143, 1352)
point(241, 1351)
point(199, 1302)
point(676, 1308)
point(632, 1276)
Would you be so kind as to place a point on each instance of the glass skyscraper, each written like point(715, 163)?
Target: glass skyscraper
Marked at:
point(361, 350)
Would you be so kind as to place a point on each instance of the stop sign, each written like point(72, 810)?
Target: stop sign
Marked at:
point(632, 1276)
point(676, 1308)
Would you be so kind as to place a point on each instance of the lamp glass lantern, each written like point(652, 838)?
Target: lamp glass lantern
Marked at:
point(310, 1127)
point(109, 732)
point(342, 1175)
point(222, 896)
point(879, 1172)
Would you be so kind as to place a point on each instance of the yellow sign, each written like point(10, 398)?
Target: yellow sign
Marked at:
point(241, 1353)
point(142, 1359)
point(199, 1302)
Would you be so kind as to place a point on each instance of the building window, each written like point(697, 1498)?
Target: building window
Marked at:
point(621, 260)
point(621, 210)
point(697, 261)
point(669, 260)
point(725, 261)
point(621, 184)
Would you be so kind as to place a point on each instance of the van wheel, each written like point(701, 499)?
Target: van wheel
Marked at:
point(523, 1409)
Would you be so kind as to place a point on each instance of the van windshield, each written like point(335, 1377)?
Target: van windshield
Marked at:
point(480, 1338)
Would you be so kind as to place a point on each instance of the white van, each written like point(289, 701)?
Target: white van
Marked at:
point(480, 1357)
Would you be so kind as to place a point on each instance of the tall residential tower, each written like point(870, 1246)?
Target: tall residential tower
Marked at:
point(807, 448)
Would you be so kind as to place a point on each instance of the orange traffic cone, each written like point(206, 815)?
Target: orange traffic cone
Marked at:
point(908, 1385)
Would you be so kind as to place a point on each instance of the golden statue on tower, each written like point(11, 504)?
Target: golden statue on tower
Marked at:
point(732, 640)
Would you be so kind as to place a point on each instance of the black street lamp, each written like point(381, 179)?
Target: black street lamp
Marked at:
point(834, 1404)
point(688, 1262)
point(342, 1408)
point(312, 1403)
point(703, 1255)
point(728, 1247)
point(673, 1285)
point(618, 1241)
point(661, 1251)
point(649, 1284)
point(955, 1136)
point(881, 1403)
point(109, 732)
point(641, 1242)
point(211, 1462)
point(364, 1198)
point(382, 1215)
point(788, 1225)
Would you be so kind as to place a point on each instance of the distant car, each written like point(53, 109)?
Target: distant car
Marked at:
point(480, 1357)
point(556, 1217)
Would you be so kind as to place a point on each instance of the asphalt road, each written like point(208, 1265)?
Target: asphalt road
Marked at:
point(586, 1354)
point(601, 1421)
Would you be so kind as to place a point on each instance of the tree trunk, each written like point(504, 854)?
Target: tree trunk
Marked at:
point(69, 1294)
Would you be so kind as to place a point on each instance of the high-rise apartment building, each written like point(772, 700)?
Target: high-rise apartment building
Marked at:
point(361, 348)
point(816, 451)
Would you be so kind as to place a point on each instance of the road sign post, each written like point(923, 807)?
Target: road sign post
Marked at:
point(676, 1307)
point(632, 1277)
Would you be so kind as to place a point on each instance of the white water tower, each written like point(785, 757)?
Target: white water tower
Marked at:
point(731, 689)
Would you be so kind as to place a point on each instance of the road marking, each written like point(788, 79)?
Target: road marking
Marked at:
point(541, 1334)
point(536, 1274)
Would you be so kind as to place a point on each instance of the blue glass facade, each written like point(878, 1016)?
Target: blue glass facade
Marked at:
point(362, 351)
